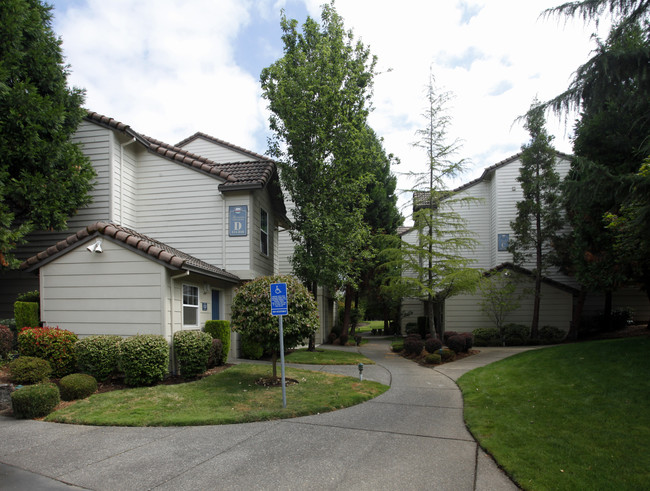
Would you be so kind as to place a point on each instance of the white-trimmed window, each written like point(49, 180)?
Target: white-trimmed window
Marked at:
point(190, 306)
point(264, 232)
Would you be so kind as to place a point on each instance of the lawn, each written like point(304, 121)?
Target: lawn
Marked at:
point(327, 357)
point(227, 397)
point(568, 417)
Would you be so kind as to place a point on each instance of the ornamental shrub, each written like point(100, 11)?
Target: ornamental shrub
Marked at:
point(220, 329)
point(33, 296)
point(35, 401)
point(397, 346)
point(52, 344)
point(215, 353)
point(447, 355)
point(6, 341)
point(251, 314)
point(26, 314)
point(77, 386)
point(515, 334)
point(413, 345)
point(97, 355)
point(433, 359)
point(251, 349)
point(192, 349)
point(144, 359)
point(432, 344)
point(456, 343)
point(551, 335)
point(469, 340)
point(447, 335)
point(29, 370)
point(487, 336)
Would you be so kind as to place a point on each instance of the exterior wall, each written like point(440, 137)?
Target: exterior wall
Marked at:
point(237, 250)
point(216, 152)
point(263, 264)
point(124, 184)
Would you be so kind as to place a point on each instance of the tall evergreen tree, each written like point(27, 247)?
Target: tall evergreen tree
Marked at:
point(44, 178)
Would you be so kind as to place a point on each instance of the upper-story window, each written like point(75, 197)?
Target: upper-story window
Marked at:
point(264, 232)
point(190, 306)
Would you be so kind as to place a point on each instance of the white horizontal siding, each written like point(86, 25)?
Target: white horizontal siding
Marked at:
point(262, 264)
point(217, 152)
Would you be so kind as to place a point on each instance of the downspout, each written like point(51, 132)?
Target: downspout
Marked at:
point(184, 274)
point(122, 145)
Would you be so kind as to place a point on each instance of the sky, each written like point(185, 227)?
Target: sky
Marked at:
point(171, 68)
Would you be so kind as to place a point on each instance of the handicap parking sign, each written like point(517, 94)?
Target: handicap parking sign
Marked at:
point(279, 304)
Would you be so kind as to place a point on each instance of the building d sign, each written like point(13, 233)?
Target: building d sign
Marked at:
point(238, 221)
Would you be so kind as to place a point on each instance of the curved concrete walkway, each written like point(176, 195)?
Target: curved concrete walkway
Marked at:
point(411, 437)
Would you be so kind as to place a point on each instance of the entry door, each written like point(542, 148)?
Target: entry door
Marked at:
point(215, 305)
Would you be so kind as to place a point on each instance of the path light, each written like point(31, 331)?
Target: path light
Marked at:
point(360, 371)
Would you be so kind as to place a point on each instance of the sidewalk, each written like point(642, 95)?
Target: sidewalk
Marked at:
point(411, 437)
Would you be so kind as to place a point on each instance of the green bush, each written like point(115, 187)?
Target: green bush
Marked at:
point(35, 401)
point(97, 355)
point(144, 359)
point(219, 329)
point(250, 349)
point(447, 355)
point(77, 386)
point(26, 314)
point(6, 341)
point(215, 353)
point(516, 334)
point(487, 336)
point(397, 346)
point(52, 344)
point(29, 370)
point(192, 349)
point(433, 359)
point(551, 335)
point(33, 296)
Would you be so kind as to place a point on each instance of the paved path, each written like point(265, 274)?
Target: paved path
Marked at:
point(411, 437)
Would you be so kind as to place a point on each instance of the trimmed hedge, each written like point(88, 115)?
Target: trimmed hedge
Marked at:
point(35, 401)
point(97, 355)
point(516, 334)
point(433, 359)
point(27, 314)
point(77, 386)
point(413, 345)
point(487, 336)
point(144, 359)
point(551, 335)
point(432, 344)
point(52, 344)
point(29, 370)
point(220, 329)
point(192, 349)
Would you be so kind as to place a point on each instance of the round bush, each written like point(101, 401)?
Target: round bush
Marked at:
point(35, 401)
point(144, 359)
point(433, 359)
point(551, 335)
point(487, 336)
point(215, 357)
point(250, 349)
point(6, 341)
point(413, 345)
point(29, 370)
point(97, 355)
point(77, 386)
point(52, 344)
point(220, 329)
point(516, 334)
point(447, 355)
point(447, 335)
point(469, 340)
point(432, 344)
point(192, 349)
point(456, 344)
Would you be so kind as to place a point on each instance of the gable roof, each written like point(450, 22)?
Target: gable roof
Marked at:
point(139, 243)
point(529, 273)
point(223, 143)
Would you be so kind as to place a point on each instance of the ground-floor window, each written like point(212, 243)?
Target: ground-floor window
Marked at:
point(190, 306)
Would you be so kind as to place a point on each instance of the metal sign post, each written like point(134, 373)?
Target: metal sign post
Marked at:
point(280, 307)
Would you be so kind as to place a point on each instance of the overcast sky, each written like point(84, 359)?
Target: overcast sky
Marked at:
point(170, 68)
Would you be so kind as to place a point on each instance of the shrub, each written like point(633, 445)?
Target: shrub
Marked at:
point(220, 329)
point(432, 344)
point(456, 343)
point(413, 345)
point(487, 336)
point(33, 296)
point(6, 341)
point(411, 327)
point(469, 340)
point(77, 386)
point(447, 355)
point(251, 349)
point(52, 344)
point(26, 314)
point(97, 355)
point(433, 359)
point(29, 370)
point(516, 334)
point(215, 353)
point(35, 401)
point(144, 359)
point(447, 335)
point(192, 349)
point(551, 335)
point(397, 346)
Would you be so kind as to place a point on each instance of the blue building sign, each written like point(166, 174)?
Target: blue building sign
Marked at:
point(238, 221)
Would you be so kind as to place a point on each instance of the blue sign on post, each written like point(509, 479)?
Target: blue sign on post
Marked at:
point(279, 304)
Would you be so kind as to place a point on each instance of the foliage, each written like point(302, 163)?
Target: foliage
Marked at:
point(77, 386)
point(216, 353)
point(52, 344)
point(27, 314)
point(487, 336)
point(397, 346)
point(32, 296)
point(97, 355)
point(447, 355)
point(44, 177)
point(29, 370)
point(432, 344)
point(250, 349)
point(413, 345)
point(6, 341)
point(469, 340)
point(144, 359)
point(251, 314)
point(220, 329)
point(498, 296)
point(456, 344)
point(551, 335)
point(516, 334)
point(35, 401)
point(192, 349)
point(433, 359)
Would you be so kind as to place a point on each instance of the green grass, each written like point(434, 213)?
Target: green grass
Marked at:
point(327, 357)
point(568, 417)
point(231, 396)
point(367, 326)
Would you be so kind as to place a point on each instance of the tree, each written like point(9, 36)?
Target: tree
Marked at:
point(499, 298)
point(44, 178)
point(251, 314)
point(436, 265)
point(538, 219)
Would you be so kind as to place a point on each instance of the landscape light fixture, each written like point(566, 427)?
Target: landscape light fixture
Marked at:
point(96, 247)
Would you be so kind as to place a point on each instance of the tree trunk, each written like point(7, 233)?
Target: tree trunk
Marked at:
point(574, 327)
point(346, 312)
point(312, 337)
point(438, 312)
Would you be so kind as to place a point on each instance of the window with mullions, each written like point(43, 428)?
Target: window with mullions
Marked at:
point(190, 306)
point(264, 232)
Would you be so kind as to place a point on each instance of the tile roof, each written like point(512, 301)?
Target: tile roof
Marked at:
point(152, 248)
point(224, 143)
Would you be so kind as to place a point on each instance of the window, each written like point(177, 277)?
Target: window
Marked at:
point(190, 306)
point(264, 232)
